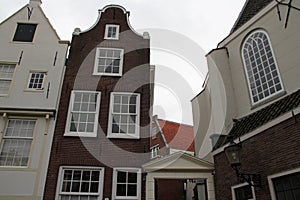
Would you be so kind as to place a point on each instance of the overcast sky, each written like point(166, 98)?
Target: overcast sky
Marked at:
point(191, 29)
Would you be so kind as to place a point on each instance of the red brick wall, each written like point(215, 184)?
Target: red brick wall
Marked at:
point(106, 153)
point(272, 151)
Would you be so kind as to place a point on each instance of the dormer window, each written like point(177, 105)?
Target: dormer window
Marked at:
point(261, 68)
point(111, 32)
point(24, 32)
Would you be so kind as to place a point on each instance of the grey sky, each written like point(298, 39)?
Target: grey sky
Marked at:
point(203, 23)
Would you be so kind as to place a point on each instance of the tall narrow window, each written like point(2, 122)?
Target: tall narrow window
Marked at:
point(16, 143)
point(111, 32)
point(6, 75)
point(80, 183)
point(83, 114)
point(108, 61)
point(24, 32)
point(126, 183)
point(261, 69)
point(124, 115)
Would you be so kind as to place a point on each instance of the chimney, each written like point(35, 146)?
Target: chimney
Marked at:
point(35, 2)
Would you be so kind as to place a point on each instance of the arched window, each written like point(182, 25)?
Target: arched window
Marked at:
point(261, 69)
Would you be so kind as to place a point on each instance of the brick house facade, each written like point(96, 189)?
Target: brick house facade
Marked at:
point(103, 125)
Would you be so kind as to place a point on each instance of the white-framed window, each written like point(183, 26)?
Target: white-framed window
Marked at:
point(80, 183)
point(285, 185)
point(16, 142)
point(126, 183)
point(154, 151)
point(83, 113)
point(261, 68)
point(109, 61)
point(6, 76)
point(36, 80)
point(243, 192)
point(154, 132)
point(111, 32)
point(124, 115)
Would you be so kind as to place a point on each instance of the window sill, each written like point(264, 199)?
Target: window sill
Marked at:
point(107, 38)
point(106, 74)
point(34, 90)
point(80, 135)
point(268, 100)
point(123, 136)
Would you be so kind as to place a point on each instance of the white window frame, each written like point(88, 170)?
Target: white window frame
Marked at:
point(97, 57)
point(110, 120)
point(91, 168)
point(68, 124)
point(139, 183)
point(154, 151)
point(10, 79)
point(239, 186)
point(270, 181)
point(154, 133)
point(5, 137)
point(250, 74)
point(30, 77)
point(106, 35)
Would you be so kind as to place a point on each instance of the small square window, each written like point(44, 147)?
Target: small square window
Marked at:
point(108, 61)
point(111, 32)
point(24, 32)
point(36, 80)
point(126, 183)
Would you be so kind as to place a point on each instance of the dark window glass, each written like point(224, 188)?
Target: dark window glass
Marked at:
point(243, 193)
point(287, 187)
point(25, 32)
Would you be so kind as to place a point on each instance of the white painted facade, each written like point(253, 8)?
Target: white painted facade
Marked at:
point(226, 92)
point(46, 54)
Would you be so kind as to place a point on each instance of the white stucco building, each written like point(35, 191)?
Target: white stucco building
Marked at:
point(32, 64)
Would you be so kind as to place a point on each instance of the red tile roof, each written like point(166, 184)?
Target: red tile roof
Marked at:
point(178, 136)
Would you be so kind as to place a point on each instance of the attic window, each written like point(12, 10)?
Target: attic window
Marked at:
point(24, 32)
point(111, 32)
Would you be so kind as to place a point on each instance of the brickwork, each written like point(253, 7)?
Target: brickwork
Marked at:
point(101, 151)
point(272, 151)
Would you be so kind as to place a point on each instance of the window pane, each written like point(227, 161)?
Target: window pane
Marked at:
point(243, 193)
point(84, 111)
point(257, 47)
point(287, 187)
point(109, 61)
point(132, 190)
point(16, 143)
point(25, 32)
point(36, 80)
point(80, 181)
point(121, 190)
point(126, 106)
point(132, 177)
point(121, 178)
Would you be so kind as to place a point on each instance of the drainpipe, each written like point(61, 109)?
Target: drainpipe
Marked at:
point(160, 131)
